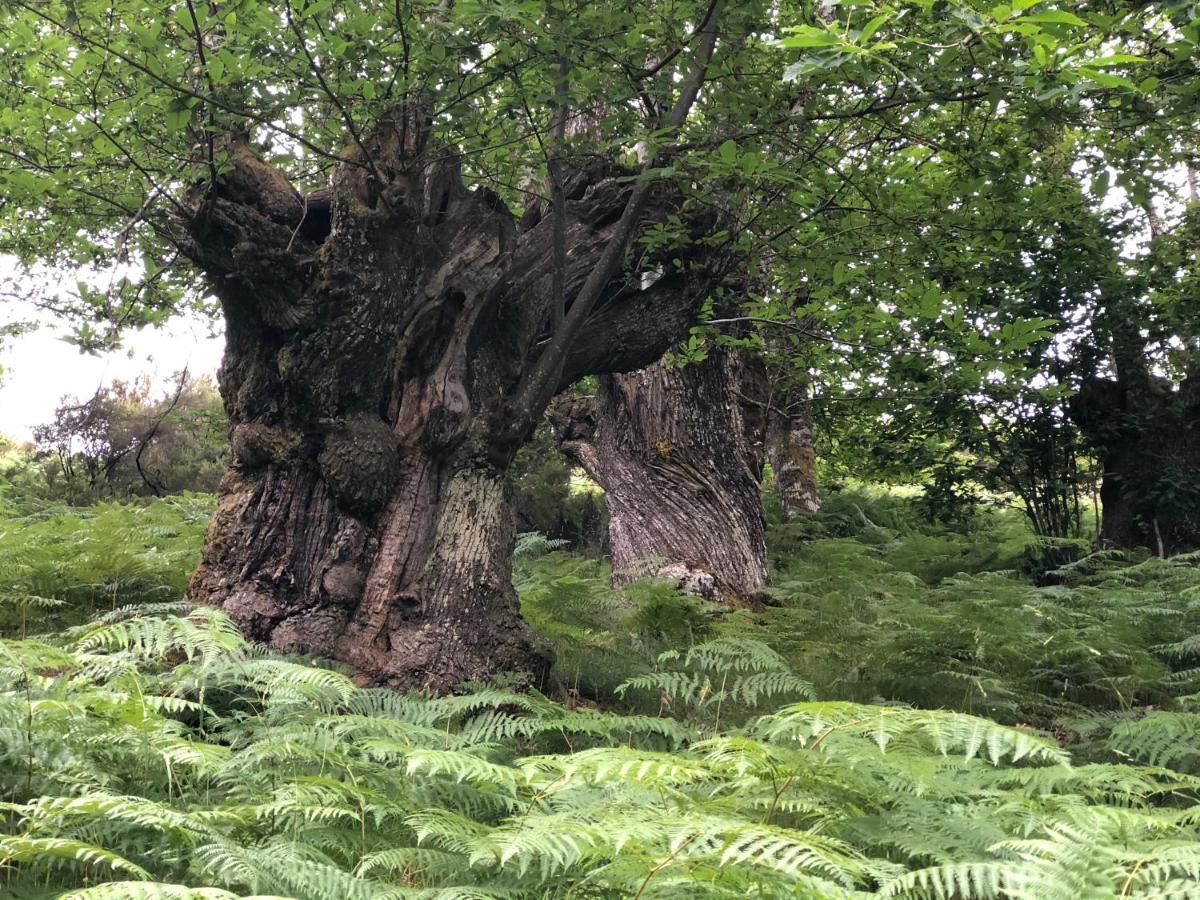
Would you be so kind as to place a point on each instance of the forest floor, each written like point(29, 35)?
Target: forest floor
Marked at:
point(916, 715)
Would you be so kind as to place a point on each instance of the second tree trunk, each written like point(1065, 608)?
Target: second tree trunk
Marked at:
point(678, 452)
point(791, 453)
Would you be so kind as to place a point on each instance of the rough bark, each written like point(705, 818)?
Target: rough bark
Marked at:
point(678, 452)
point(377, 335)
point(790, 450)
point(1147, 434)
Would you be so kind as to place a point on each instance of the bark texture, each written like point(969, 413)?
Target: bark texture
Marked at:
point(377, 335)
point(1148, 436)
point(790, 450)
point(678, 452)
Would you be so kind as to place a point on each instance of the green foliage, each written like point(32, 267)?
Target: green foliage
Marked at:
point(159, 755)
point(900, 525)
point(665, 616)
point(124, 441)
point(153, 752)
point(894, 609)
point(1160, 739)
point(730, 674)
point(880, 617)
point(601, 635)
point(60, 565)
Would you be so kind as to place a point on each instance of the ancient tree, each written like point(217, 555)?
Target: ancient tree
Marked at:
point(390, 344)
point(420, 222)
point(423, 220)
point(1138, 402)
point(678, 451)
point(412, 254)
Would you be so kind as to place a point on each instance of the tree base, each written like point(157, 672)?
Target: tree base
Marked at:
point(421, 597)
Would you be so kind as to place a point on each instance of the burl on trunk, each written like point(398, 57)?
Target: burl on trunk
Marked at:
point(381, 337)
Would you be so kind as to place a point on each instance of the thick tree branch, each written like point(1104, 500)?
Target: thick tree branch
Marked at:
point(634, 328)
point(542, 380)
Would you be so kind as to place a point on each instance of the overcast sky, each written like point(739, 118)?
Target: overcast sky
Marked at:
point(40, 368)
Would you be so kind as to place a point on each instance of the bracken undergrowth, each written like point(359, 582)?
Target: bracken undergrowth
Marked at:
point(891, 727)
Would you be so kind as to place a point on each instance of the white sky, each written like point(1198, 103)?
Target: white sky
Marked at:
point(40, 368)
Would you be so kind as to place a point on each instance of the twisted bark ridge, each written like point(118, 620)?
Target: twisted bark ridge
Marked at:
point(378, 335)
point(678, 452)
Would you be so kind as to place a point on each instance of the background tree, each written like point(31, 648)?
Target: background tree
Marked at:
point(124, 441)
point(791, 449)
point(550, 499)
point(971, 286)
point(678, 450)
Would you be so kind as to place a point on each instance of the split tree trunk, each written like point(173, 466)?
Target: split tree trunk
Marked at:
point(380, 339)
point(678, 452)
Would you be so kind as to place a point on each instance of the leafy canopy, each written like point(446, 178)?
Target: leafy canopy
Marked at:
point(112, 111)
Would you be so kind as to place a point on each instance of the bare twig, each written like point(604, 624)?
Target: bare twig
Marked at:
point(347, 119)
point(150, 434)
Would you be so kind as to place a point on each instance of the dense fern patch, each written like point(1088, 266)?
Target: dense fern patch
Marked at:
point(823, 747)
point(907, 613)
point(60, 565)
point(155, 750)
point(1110, 635)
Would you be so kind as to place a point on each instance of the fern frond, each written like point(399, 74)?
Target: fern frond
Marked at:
point(811, 724)
point(46, 851)
point(153, 890)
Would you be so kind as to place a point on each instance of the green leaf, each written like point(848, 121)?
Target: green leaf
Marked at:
point(1054, 17)
point(177, 115)
point(1116, 59)
point(1106, 79)
point(871, 27)
point(807, 36)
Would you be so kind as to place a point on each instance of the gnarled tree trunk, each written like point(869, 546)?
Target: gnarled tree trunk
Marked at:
point(678, 452)
point(1148, 436)
point(390, 343)
point(791, 452)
